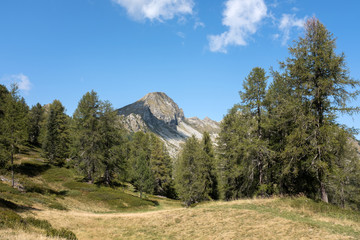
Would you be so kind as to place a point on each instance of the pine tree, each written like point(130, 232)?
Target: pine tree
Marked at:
point(191, 174)
point(161, 167)
point(57, 136)
point(253, 98)
point(113, 143)
point(3, 93)
point(141, 174)
point(13, 125)
point(210, 166)
point(321, 82)
point(86, 135)
point(36, 116)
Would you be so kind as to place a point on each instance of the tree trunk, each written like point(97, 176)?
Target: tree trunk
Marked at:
point(107, 176)
point(12, 170)
point(324, 196)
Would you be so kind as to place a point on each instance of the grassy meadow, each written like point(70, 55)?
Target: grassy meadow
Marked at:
point(53, 203)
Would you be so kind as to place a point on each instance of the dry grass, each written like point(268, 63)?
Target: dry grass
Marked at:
point(229, 220)
point(12, 234)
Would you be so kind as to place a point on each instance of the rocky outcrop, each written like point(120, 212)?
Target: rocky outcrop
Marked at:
point(158, 113)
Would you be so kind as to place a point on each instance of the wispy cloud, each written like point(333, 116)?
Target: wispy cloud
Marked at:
point(242, 17)
point(199, 24)
point(22, 81)
point(159, 10)
point(181, 34)
point(287, 23)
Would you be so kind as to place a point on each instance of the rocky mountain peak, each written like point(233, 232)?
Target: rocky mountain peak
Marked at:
point(158, 113)
point(163, 108)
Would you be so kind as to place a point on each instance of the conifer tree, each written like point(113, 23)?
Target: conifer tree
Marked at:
point(3, 93)
point(36, 116)
point(190, 173)
point(253, 98)
point(57, 137)
point(160, 163)
point(13, 125)
point(141, 174)
point(321, 83)
point(210, 166)
point(86, 135)
point(113, 143)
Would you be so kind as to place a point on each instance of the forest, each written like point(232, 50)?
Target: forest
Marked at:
point(281, 139)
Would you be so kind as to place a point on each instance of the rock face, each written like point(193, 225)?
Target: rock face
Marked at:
point(158, 113)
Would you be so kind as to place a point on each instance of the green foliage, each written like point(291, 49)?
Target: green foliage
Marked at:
point(57, 137)
point(161, 167)
point(320, 82)
point(86, 134)
point(113, 144)
point(36, 117)
point(142, 176)
point(13, 128)
point(284, 140)
point(192, 179)
point(210, 166)
point(245, 154)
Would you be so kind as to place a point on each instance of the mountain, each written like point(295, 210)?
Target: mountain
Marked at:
point(158, 113)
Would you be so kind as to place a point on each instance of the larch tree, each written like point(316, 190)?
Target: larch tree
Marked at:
point(161, 166)
point(112, 143)
point(57, 136)
point(190, 173)
point(13, 125)
point(210, 166)
point(141, 174)
point(86, 135)
point(36, 116)
point(321, 82)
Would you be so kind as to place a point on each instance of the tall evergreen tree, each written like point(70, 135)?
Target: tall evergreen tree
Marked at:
point(253, 98)
point(113, 143)
point(36, 116)
point(3, 93)
point(161, 167)
point(254, 93)
point(210, 166)
point(321, 82)
point(141, 173)
point(86, 135)
point(57, 137)
point(13, 125)
point(191, 174)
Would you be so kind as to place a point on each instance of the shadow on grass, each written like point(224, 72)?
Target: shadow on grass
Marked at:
point(31, 169)
point(15, 207)
point(45, 190)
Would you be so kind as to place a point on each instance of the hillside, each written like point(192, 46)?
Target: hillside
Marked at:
point(52, 201)
point(158, 113)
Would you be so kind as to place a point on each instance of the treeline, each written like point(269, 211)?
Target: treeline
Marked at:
point(282, 139)
point(92, 141)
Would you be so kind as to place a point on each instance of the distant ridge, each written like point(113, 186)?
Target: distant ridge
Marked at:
point(156, 112)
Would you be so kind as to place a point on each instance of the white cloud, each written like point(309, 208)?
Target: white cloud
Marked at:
point(22, 81)
point(287, 22)
point(199, 24)
point(181, 34)
point(156, 9)
point(242, 17)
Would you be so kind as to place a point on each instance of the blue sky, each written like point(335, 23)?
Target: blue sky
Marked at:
point(197, 51)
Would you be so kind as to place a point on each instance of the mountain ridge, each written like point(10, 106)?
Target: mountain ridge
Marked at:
point(156, 112)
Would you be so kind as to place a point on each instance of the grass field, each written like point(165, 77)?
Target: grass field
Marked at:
point(55, 204)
